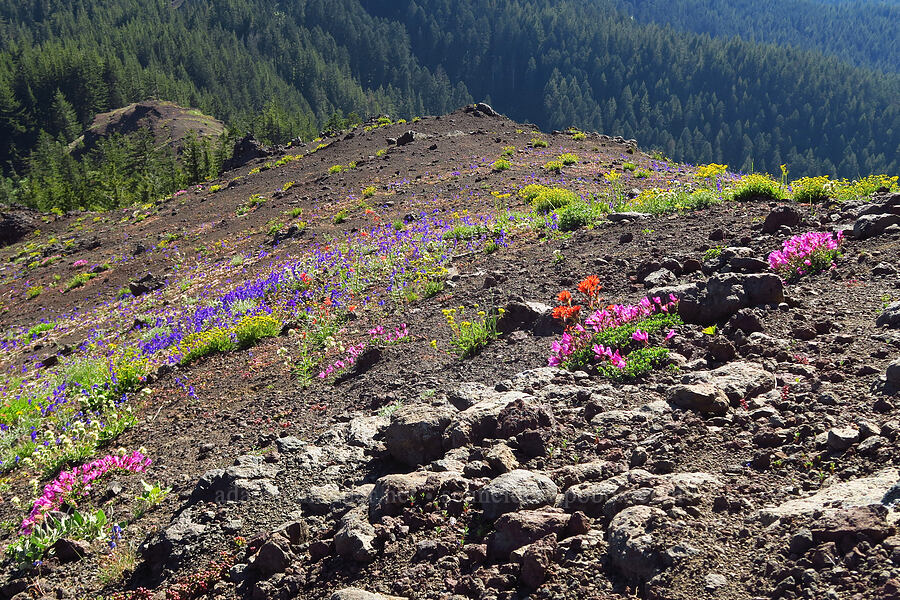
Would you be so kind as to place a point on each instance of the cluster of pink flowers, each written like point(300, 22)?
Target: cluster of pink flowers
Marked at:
point(605, 318)
point(809, 252)
point(376, 334)
point(78, 482)
point(79, 263)
point(606, 353)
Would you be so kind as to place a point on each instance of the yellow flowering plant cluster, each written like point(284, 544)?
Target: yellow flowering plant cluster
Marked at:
point(710, 171)
point(470, 336)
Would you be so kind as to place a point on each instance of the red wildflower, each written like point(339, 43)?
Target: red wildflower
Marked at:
point(565, 297)
point(590, 286)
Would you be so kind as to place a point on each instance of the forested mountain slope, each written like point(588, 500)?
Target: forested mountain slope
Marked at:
point(857, 31)
point(285, 69)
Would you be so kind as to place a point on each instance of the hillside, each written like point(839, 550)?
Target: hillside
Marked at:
point(330, 369)
point(754, 104)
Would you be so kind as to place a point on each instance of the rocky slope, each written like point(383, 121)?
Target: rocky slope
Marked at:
point(762, 462)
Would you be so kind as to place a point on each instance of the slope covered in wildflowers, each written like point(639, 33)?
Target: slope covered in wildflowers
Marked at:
point(367, 361)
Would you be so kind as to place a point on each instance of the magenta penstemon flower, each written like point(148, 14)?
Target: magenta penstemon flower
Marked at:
point(640, 336)
point(78, 482)
point(809, 252)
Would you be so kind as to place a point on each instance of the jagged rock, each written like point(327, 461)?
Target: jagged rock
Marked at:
point(501, 459)
point(598, 470)
point(516, 490)
point(515, 530)
point(659, 278)
point(361, 431)
point(590, 497)
point(700, 397)
point(67, 550)
point(249, 477)
point(355, 536)
point(632, 547)
point(714, 581)
point(536, 560)
point(14, 227)
point(174, 543)
point(868, 226)
point(486, 109)
point(245, 150)
point(841, 438)
point(864, 491)
point(358, 594)
point(468, 394)
point(480, 420)
point(410, 137)
point(739, 380)
point(526, 314)
point(533, 380)
point(328, 499)
point(780, 216)
point(745, 320)
point(518, 416)
point(890, 317)
point(859, 522)
point(893, 373)
point(723, 295)
point(270, 559)
point(290, 444)
point(415, 434)
point(146, 284)
point(392, 493)
point(627, 216)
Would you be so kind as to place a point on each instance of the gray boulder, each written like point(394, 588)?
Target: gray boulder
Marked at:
point(355, 536)
point(415, 435)
point(632, 547)
point(890, 317)
point(699, 397)
point(516, 490)
point(515, 530)
point(249, 477)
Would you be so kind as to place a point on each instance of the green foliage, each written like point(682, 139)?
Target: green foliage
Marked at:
point(369, 191)
point(251, 204)
point(656, 201)
point(204, 343)
point(470, 337)
point(755, 186)
point(640, 362)
point(810, 189)
point(152, 495)
point(34, 291)
point(251, 329)
point(79, 280)
point(629, 166)
point(578, 214)
point(567, 159)
point(539, 143)
point(337, 169)
point(340, 217)
point(554, 166)
point(552, 198)
point(501, 165)
point(88, 526)
point(508, 150)
point(39, 330)
point(579, 135)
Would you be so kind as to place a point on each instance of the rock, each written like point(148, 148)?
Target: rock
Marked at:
point(745, 320)
point(747, 264)
point(858, 522)
point(598, 470)
point(590, 497)
point(714, 581)
point(515, 530)
point(468, 394)
point(516, 490)
point(627, 216)
point(409, 137)
point(245, 150)
point(780, 216)
point(864, 491)
point(536, 560)
point(841, 438)
point(358, 594)
point(289, 444)
point(525, 314)
point(392, 493)
point(480, 420)
point(172, 545)
point(270, 559)
point(632, 548)
point(14, 227)
point(329, 499)
point(67, 550)
point(250, 477)
point(518, 416)
point(801, 541)
point(362, 430)
point(893, 373)
point(355, 536)
point(659, 278)
point(415, 435)
point(883, 269)
point(739, 380)
point(890, 317)
point(868, 226)
point(501, 459)
point(700, 397)
point(486, 109)
point(723, 295)
point(146, 284)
